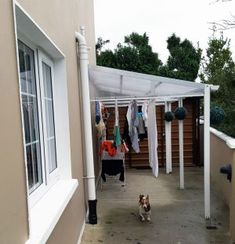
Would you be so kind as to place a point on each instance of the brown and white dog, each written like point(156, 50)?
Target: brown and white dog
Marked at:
point(144, 208)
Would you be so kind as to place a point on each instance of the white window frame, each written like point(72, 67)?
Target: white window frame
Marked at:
point(52, 177)
point(48, 179)
point(39, 191)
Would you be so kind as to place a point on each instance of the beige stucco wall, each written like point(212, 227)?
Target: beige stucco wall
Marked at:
point(13, 208)
point(59, 20)
point(222, 154)
point(232, 203)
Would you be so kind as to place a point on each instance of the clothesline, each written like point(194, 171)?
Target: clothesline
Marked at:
point(111, 105)
point(156, 98)
point(139, 101)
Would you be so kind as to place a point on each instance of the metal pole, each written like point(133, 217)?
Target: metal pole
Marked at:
point(207, 151)
point(168, 141)
point(181, 147)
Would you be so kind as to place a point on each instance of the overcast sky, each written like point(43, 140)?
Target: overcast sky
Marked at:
point(159, 19)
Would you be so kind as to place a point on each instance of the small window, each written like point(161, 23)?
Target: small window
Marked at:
point(38, 116)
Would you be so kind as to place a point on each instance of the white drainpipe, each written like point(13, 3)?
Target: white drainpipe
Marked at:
point(90, 175)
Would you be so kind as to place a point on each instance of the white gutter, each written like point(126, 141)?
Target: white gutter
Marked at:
point(89, 159)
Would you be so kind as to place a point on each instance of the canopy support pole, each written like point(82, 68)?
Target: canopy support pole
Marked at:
point(181, 147)
point(168, 141)
point(207, 151)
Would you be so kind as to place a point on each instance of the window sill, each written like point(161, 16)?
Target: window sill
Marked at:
point(46, 213)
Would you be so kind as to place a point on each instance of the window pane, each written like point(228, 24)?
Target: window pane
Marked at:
point(22, 71)
point(30, 166)
point(47, 80)
point(26, 119)
point(30, 113)
point(30, 79)
point(33, 166)
point(49, 117)
point(27, 70)
point(30, 116)
point(52, 154)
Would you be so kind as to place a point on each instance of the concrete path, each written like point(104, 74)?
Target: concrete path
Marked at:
point(177, 215)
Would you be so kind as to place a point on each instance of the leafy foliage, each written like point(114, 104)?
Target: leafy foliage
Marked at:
point(134, 55)
point(218, 68)
point(99, 45)
point(137, 55)
point(107, 59)
point(184, 59)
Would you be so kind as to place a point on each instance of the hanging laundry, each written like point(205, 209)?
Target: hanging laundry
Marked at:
point(112, 167)
point(116, 130)
point(124, 147)
point(145, 113)
point(101, 130)
point(152, 138)
point(135, 118)
point(97, 112)
point(128, 117)
point(125, 134)
point(133, 123)
point(141, 129)
point(100, 125)
point(109, 147)
point(117, 136)
point(104, 113)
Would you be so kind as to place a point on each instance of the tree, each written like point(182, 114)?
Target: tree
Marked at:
point(127, 58)
point(106, 58)
point(134, 55)
point(218, 68)
point(100, 44)
point(148, 60)
point(184, 59)
point(224, 24)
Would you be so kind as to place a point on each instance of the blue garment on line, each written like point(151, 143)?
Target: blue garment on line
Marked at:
point(97, 112)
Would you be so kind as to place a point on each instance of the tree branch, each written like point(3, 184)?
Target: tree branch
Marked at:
point(224, 24)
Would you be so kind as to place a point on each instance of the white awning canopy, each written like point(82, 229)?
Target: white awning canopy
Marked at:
point(109, 84)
